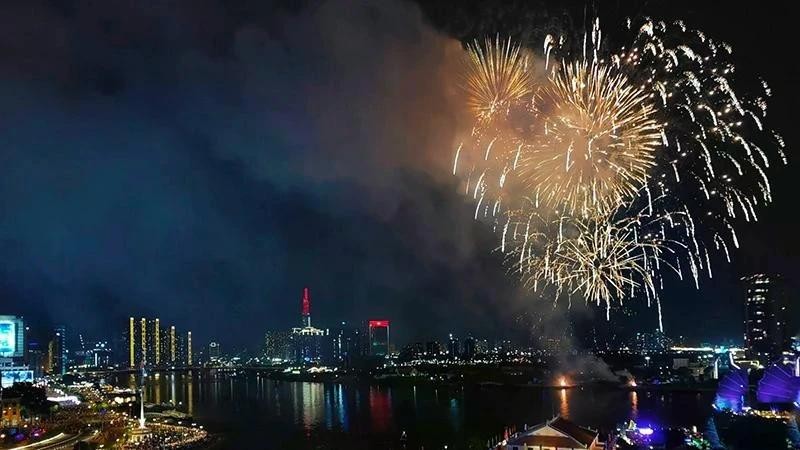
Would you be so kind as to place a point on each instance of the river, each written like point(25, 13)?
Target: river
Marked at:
point(252, 412)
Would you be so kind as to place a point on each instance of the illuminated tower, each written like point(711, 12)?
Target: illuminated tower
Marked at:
point(306, 308)
point(378, 337)
point(132, 343)
point(157, 336)
point(189, 348)
point(144, 340)
point(172, 344)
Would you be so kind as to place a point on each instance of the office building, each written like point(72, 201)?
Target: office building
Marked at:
point(277, 345)
point(378, 337)
point(765, 318)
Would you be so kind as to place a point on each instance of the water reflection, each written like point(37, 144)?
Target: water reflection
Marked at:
point(312, 406)
point(172, 385)
point(312, 412)
point(156, 389)
point(190, 394)
point(380, 410)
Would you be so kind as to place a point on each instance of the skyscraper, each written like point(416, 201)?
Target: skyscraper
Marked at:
point(58, 351)
point(305, 308)
point(157, 343)
point(131, 343)
point(764, 317)
point(173, 345)
point(189, 348)
point(378, 332)
point(143, 341)
point(151, 344)
point(307, 340)
point(277, 345)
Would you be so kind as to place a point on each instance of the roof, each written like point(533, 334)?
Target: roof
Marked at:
point(546, 441)
point(583, 435)
point(565, 434)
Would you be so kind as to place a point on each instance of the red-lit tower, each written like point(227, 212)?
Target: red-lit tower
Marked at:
point(305, 308)
point(378, 337)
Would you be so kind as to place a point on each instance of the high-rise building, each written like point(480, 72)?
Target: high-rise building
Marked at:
point(173, 345)
point(149, 343)
point(453, 347)
point(157, 343)
point(307, 341)
point(189, 348)
point(277, 345)
point(764, 317)
point(37, 359)
point(346, 345)
point(57, 351)
point(26, 342)
point(12, 337)
point(469, 349)
point(101, 354)
point(131, 338)
point(213, 351)
point(305, 308)
point(143, 341)
point(378, 333)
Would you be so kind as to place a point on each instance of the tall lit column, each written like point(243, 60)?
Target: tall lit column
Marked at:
point(132, 342)
point(172, 346)
point(189, 349)
point(157, 335)
point(144, 341)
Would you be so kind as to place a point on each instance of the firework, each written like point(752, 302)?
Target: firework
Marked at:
point(617, 165)
point(598, 142)
point(497, 74)
point(602, 259)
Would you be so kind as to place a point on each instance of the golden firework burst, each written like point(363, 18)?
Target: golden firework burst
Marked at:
point(597, 143)
point(497, 74)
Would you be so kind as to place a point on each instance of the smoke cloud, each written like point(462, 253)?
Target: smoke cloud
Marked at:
point(203, 161)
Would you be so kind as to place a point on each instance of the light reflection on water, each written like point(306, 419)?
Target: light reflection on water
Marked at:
point(348, 414)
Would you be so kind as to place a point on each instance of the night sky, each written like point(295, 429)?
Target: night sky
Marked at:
point(202, 161)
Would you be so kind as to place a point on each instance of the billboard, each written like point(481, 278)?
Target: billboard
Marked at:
point(9, 377)
point(12, 337)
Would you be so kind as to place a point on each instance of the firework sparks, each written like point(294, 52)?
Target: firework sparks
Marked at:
point(598, 143)
point(496, 76)
point(603, 260)
point(617, 165)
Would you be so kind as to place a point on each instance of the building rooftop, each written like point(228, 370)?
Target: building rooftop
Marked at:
point(557, 433)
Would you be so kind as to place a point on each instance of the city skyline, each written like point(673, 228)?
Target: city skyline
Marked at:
point(399, 224)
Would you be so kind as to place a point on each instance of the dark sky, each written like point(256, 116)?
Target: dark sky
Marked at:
point(204, 160)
